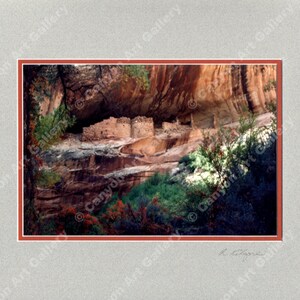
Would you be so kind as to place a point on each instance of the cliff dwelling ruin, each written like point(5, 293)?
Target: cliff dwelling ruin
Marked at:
point(138, 127)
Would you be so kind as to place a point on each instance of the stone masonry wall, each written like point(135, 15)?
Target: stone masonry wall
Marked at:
point(123, 128)
point(106, 129)
point(168, 125)
point(119, 128)
point(142, 127)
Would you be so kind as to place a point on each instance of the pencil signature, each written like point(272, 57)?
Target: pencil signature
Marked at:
point(243, 253)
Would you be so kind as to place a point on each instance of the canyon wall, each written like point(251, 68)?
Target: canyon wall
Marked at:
point(213, 94)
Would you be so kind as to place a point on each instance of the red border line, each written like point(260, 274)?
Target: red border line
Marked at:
point(277, 237)
point(279, 151)
point(20, 150)
point(149, 238)
point(147, 61)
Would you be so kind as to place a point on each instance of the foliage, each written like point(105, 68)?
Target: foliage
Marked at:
point(47, 178)
point(249, 205)
point(185, 160)
point(49, 128)
point(67, 222)
point(272, 108)
point(234, 180)
point(73, 225)
point(139, 73)
point(46, 130)
point(171, 195)
point(211, 157)
point(246, 122)
point(41, 88)
point(149, 218)
point(270, 85)
point(229, 149)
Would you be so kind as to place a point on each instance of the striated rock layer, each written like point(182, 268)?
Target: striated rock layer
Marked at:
point(211, 95)
point(96, 170)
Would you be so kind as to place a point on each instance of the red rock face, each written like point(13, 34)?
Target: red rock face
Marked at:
point(92, 169)
point(213, 94)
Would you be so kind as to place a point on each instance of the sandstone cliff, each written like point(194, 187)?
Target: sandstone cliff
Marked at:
point(211, 94)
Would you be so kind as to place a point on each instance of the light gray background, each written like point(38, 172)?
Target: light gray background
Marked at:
point(107, 29)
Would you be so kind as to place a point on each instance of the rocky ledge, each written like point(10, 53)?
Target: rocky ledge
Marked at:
point(95, 169)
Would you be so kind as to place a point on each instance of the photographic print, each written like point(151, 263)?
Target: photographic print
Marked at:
point(150, 149)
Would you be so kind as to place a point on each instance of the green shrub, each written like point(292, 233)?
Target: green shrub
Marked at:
point(270, 85)
point(171, 195)
point(139, 73)
point(224, 155)
point(184, 160)
point(246, 122)
point(47, 178)
point(49, 128)
point(272, 108)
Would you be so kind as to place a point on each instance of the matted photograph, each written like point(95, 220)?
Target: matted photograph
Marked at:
point(150, 149)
